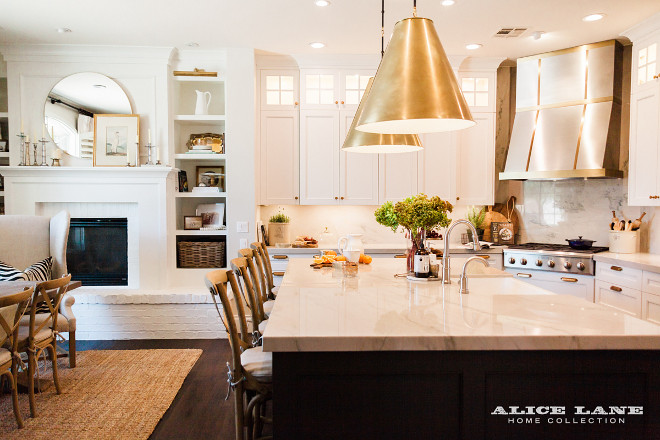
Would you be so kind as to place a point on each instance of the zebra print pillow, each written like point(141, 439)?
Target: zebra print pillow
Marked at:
point(37, 272)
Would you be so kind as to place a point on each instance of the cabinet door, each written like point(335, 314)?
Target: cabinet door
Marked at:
point(475, 162)
point(352, 86)
point(279, 90)
point(358, 172)
point(644, 143)
point(437, 165)
point(319, 89)
point(319, 157)
point(279, 174)
point(397, 176)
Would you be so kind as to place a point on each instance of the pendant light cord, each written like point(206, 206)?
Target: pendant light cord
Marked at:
point(414, 8)
point(382, 29)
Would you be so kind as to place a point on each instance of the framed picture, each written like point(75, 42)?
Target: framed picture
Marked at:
point(213, 214)
point(115, 140)
point(192, 222)
point(502, 233)
point(213, 177)
point(183, 181)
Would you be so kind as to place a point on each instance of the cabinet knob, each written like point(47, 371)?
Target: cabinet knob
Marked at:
point(295, 103)
point(337, 198)
point(336, 102)
point(458, 198)
point(342, 102)
point(296, 197)
point(341, 198)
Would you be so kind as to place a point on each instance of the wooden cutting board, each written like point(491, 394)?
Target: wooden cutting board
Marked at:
point(491, 216)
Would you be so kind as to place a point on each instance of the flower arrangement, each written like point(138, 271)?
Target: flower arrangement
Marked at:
point(279, 218)
point(416, 215)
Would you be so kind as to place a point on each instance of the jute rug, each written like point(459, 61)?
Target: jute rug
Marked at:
point(111, 394)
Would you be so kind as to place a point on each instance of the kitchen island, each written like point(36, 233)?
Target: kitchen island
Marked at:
point(382, 357)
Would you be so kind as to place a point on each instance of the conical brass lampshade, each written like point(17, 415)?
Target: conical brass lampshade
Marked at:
point(415, 89)
point(363, 142)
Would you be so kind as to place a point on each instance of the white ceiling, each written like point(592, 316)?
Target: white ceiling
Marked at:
point(288, 26)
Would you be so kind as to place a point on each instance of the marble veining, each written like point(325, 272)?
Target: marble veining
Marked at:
point(377, 311)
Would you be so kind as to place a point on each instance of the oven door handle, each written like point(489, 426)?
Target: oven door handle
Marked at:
point(569, 280)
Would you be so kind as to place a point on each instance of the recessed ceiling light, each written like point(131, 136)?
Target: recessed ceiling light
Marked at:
point(448, 2)
point(317, 45)
point(537, 35)
point(192, 44)
point(472, 46)
point(64, 30)
point(322, 3)
point(593, 17)
point(99, 86)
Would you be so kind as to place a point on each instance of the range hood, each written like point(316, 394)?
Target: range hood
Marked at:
point(568, 114)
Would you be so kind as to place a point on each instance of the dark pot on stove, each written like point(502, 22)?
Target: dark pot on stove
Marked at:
point(580, 243)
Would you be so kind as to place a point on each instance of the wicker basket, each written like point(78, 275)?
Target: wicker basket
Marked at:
point(201, 254)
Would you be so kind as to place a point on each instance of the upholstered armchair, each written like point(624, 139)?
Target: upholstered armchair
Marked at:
point(25, 240)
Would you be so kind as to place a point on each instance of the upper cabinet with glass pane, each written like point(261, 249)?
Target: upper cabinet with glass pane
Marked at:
point(479, 90)
point(333, 89)
point(279, 89)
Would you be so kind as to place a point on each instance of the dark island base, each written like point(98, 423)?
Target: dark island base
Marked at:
point(451, 394)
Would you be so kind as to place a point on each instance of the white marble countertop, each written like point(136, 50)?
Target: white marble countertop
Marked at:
point(381, 248)
point(377, 312)
point(642, 261)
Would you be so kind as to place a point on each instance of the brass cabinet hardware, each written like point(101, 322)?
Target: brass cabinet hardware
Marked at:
point(569, 280)
point(485, 257)
point(617, 268)
point(342, 102)
point(524, 275)
point(278, 274)
point(336, 102)
point(296, 197)
point(342, 198)
point(336, 198)
point(280, 257)
point(654, 197)
point(295, 103)
point(616, 289)
point(400, 256)
point(458, 198)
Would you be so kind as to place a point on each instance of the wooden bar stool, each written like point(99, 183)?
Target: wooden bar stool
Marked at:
point(262, 252)
point(248, 283)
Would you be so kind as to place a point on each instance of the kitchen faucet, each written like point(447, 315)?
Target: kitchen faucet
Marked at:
point(445, 254)
point(463, 289)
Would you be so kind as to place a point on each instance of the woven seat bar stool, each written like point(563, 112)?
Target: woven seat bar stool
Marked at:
point(262, 250)
point(12, 308)
point(250, 370)
point(246, 274)
point(40, 335)
point(261, 283)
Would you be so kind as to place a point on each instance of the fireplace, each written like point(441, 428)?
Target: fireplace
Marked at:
point(97, 251)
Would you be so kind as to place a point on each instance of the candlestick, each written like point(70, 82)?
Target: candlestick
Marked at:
point(43, 151)
point(137, 153)
point(34, 149)
point(22, 143)
point(149, 139)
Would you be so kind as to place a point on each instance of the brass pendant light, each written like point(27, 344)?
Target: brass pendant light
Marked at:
point(415, 89)
point(375, 143)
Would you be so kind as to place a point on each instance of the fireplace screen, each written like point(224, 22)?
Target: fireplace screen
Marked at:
point(97, 251)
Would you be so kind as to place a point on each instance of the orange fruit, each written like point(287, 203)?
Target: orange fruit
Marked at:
point(361, 260)
point(367, 259)
point(330, 253)
point(340, 258)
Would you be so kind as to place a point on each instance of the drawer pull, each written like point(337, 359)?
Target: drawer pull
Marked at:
point(400, 256)
point(616, 289)
point(524, 275)
point(485, 257)
point(569, 280)
point(617, 268)
point(278, 274)
point(280, 257)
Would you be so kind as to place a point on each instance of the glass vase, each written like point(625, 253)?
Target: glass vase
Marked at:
point(415, 241)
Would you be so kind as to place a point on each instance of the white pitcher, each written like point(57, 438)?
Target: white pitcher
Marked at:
point(203, 102)
point(351, 246)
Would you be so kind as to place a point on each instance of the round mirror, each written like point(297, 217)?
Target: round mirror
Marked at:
point(71, 105)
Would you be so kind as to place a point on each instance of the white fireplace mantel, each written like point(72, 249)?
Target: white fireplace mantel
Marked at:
point(139, 194)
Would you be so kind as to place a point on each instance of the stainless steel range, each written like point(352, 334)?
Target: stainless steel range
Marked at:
point(555, 267)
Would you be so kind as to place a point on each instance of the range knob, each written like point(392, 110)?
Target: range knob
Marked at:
point(580, 266)
point(567, 265)
point(539, 263)
point(523, 261)
point(551, 263)
point(512, 260)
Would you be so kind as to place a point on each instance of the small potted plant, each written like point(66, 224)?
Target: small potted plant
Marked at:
point(416, 215)
point(278, 229)
point(476, 217)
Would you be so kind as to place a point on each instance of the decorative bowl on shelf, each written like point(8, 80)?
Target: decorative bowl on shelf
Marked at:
point(206, 143)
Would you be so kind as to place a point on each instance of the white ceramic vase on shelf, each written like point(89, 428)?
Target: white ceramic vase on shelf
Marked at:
point(203, 102)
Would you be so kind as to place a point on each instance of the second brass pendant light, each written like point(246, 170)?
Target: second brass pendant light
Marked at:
point(364, 142)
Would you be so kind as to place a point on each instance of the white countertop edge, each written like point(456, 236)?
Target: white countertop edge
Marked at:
point(641, 261)
point(460, 343)
point(376, 249)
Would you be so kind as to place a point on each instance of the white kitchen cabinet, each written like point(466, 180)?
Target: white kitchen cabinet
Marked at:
point(279, 89)
point(319, 157)
point(358, 172)
point(580, 286)
point(398, 176)
point(436, 165)
point(651, 307)
point(475, 162)
point(339, 89)
point(620, 298)
point(643, 174)
point(279, 167)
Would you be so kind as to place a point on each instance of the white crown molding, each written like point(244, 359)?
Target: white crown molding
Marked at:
point(337, 61)
point(482, 63)
point(643, 29)
point(275, 61)
point(60, 53)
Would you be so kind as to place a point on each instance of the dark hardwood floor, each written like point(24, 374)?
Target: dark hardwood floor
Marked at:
point(199, 410)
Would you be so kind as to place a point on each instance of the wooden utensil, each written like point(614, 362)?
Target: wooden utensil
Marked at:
point(637, 223)
point(622, 225)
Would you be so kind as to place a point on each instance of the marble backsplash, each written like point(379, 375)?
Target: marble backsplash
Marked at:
point(553, 211)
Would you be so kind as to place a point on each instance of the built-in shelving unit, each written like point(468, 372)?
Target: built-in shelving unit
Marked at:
point(4, 137)
point(186, 123)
